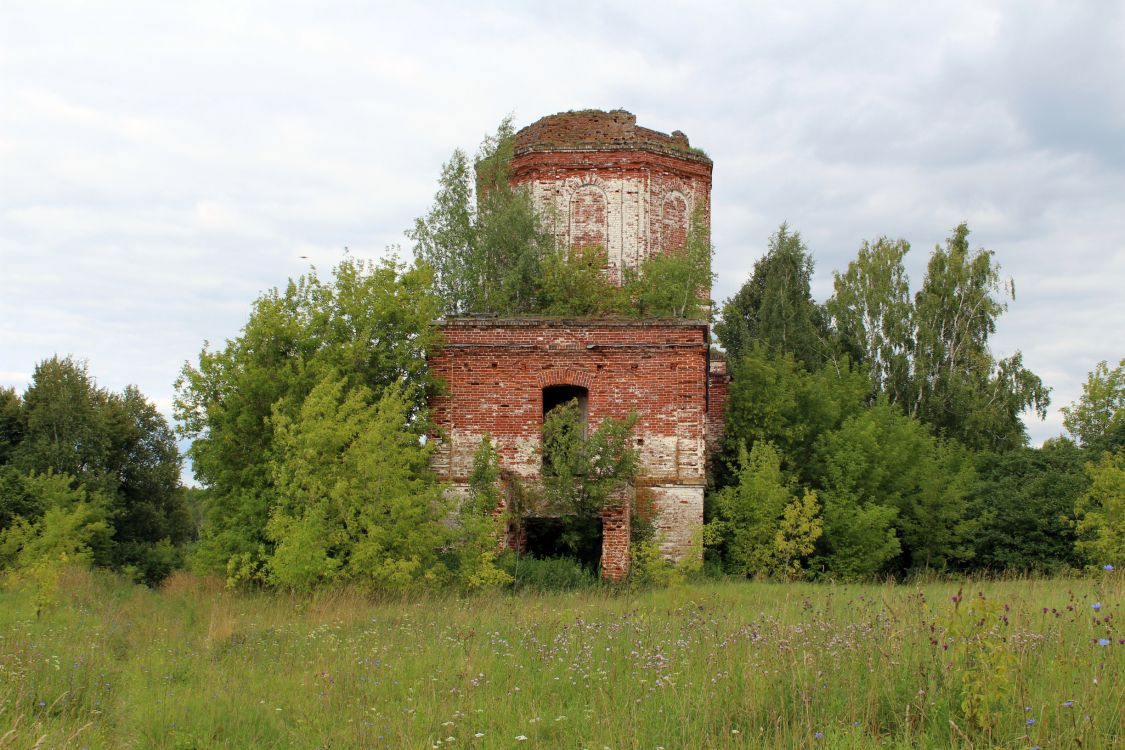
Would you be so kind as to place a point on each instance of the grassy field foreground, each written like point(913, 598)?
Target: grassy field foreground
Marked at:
point(1019, 664)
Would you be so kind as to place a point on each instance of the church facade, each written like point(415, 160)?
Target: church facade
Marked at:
point(597, 179)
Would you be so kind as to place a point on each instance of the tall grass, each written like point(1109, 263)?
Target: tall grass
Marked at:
point(1014, 664)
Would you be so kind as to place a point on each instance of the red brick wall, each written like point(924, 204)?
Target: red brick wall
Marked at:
point(718, 396)
point(495, 372)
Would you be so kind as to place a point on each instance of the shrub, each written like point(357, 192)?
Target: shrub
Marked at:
point(546, 574)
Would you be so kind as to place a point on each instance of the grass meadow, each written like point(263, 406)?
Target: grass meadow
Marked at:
point(93, 662)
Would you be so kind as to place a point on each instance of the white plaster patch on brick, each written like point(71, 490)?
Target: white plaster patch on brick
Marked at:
point(658, 455)
point(462, 445)
point(679, 517)
point(527, 459)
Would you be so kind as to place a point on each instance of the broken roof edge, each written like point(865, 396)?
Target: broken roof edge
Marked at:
point(486, 321)
point(599, 130)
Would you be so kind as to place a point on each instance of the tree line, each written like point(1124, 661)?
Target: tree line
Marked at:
point(877, 433)
point(89, 475)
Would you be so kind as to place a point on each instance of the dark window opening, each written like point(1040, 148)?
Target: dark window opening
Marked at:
point(567, 536)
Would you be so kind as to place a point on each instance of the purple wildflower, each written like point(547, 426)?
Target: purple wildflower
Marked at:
point(1097, 606)
point(1104, 641)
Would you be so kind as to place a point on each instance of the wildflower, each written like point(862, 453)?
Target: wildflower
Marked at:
point(1068, 704)
point(819, 735)
point(735, 731)
point(1030, 722)
point(1104, 641)
point(1097, 606)
point(478, 735)
point(1107, 568)
point(521, 737)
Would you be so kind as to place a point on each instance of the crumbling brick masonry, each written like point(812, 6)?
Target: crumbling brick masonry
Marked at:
point(597, 179)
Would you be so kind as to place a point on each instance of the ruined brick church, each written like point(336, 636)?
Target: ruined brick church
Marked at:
point(598, 179)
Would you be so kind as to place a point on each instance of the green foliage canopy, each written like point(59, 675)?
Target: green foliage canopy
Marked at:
point(89, 474)
point(355, 497)
point(1100, 511)
point(1023, 500)
point(774, 308)
point(931, 356)
point(369, 325)
point(482, 237)
point(1097, 419)
point(761, 526)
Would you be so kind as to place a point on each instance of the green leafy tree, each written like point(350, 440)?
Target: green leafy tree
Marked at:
point(356, 500)
point(956, 385)
point(483, 237)
point(931, 357)
point(775, 399)
point(1097, 419)
point(762, 528)
point(775, 306)
point(445, 238)
point(67, 421)
point(575, 284)
point(674, 284)
point(1023, 500)
point(879, 457)
point(115, 445)
point(371, 323)
point(583, 473)
point(72, 526)
point(151, 513)
point(480, 522)
point(1100, 512)
point(11, 423)
point(872, 314)
point(795, 539)
point(859, 537)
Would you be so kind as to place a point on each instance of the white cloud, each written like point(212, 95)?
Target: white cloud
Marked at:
point(164, 164)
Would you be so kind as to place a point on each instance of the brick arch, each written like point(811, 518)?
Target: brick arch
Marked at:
point(589, 178)
point(589, 216)
point(564, 376)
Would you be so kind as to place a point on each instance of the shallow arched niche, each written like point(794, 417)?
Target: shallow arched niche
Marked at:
point(589, 217)
point(673, 222)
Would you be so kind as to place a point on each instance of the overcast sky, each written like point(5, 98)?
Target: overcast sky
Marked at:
point(162, 164)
